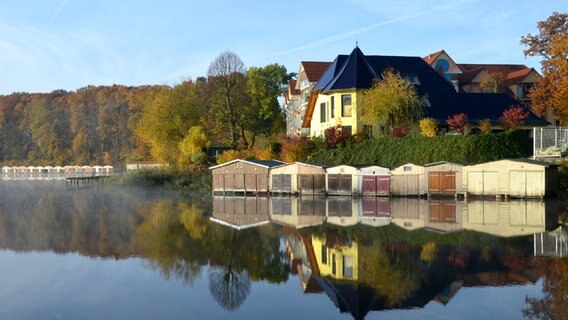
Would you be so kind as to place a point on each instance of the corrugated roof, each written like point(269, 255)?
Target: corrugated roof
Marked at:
point(264, 163)
point(268, 163)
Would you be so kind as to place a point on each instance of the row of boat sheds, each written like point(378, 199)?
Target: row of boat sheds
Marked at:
point(57, 170)
point(518, 178)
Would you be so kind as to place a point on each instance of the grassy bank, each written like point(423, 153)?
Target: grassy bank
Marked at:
point(193, 178)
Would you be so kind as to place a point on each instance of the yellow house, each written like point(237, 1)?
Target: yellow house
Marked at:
point(334, 99)
point(337, 262)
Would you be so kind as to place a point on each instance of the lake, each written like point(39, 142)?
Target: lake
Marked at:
point(102, 252)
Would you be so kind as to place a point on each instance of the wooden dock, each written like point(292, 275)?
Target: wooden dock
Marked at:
point(82, 181)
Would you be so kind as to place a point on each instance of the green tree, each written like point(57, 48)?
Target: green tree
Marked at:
point(391, 102)
point(166, 120)
point(265, 85)
point(551, 44)
point(193, 145)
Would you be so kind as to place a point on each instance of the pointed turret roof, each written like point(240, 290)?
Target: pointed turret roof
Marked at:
point(355, 72)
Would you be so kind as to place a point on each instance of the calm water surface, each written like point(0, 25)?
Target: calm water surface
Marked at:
point(120, 253)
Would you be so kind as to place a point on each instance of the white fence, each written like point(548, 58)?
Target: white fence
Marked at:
point(550, 142)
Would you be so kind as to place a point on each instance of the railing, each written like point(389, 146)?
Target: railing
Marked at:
point(550, 142)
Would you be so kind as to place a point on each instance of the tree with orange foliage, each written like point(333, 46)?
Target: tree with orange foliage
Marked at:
point(551, 43)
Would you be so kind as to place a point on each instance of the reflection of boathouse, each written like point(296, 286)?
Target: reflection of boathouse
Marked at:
point(240, 212)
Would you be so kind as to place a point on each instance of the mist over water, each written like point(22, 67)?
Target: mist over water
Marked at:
point(132, 253)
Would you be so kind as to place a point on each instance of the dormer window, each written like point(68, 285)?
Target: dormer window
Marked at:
point(412, 78)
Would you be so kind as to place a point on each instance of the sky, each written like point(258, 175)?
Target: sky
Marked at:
point(48, 45)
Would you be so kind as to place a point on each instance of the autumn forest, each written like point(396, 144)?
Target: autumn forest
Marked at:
point(118, 124)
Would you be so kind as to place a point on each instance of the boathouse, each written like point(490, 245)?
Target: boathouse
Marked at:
point(339, 180)
point(298, 178)
point(243, 176)
point(408, 180)
point(374, 181)
point(444, 178)
point(520, 178)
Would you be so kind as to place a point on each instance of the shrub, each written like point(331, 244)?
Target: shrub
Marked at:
point(399, 132)
point(485, 126)
point(458, 123)
point(513, 117)
point(428, 127)
point(230, 155)
point(296, 149)
point(389, 152)
point(336, 136)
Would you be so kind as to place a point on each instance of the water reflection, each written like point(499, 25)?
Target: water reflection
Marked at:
point(500, 218)
point(363, 255)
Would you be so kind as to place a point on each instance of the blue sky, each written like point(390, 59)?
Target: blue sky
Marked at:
point(68, 44)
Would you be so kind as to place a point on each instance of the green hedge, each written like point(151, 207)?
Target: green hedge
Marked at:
point(391, 152)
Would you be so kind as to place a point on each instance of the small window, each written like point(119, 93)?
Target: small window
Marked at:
point(407, 168)
point(348, 266)
point(323, 254)
point(346, 105)
point(333, 266)
point(332, 106)
point(368, 131)
point(322, 112)
point(412, 78)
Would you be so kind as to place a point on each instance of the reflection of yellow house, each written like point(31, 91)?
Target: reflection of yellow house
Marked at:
point(338, 262)
point(505, 219)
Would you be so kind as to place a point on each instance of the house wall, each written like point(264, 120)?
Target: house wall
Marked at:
point(317, 127)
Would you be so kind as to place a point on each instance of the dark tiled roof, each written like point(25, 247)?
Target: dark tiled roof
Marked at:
point(356, 72)
point(468, 76)
point(478, 106)
point(314, 69)
point(330, 72)
point(292, 88)
point(503, 69)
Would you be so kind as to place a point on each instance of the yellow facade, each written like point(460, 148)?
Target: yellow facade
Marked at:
point(339, 262)
point(335, 116)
